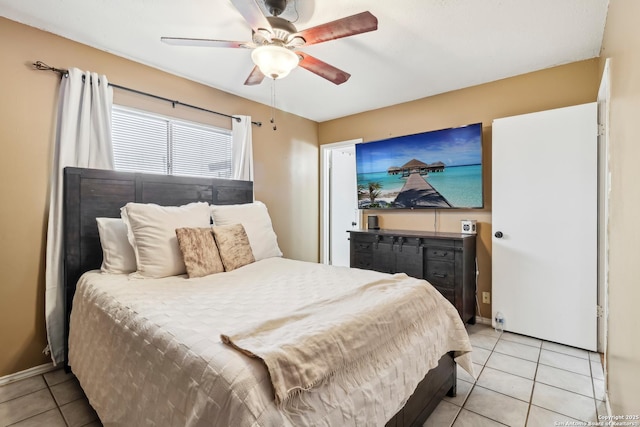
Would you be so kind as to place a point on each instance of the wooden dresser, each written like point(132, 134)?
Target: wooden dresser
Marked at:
point(446, 260)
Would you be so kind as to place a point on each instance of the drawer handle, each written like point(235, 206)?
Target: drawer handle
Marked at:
point(443, 254)
point(440, 275)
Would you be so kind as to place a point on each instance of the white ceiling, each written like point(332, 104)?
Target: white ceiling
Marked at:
point(421, 47)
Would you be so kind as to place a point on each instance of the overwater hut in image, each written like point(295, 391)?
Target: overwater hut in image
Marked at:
point(436, 167)
point(394, 170)
point(416, 166)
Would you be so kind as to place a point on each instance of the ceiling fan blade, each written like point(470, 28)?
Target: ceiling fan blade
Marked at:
point(251, 12)
point(324, 70)
point(345, 27)
point(255, 78)
point(179, 41)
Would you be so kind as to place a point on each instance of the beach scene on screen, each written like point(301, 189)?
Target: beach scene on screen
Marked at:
point(437, 169)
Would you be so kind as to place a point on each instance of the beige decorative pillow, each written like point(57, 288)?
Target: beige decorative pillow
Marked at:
point(199, 251)
point(233, 245)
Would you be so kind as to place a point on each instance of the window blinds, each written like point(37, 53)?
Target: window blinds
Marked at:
point(144, 142)
point(197, 150)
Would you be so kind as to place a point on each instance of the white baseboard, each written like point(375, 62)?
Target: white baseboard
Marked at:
point(27, 373)
point(483, 320)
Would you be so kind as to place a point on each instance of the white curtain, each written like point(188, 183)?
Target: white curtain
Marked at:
point(242, 148)
point(83, 139)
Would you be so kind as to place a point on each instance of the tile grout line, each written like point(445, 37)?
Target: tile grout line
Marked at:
point(522, 343)
point(22, 395)
point(473, 386)
point(39, 413)
point(540, 363)
point(569, 391)
point(510, 373)
point(566, 391)
point(533, 387)
point(71, 378)
point(476, 384)
point(593, 388)
point(64, 420)
point(540, 347)
point(484, 416)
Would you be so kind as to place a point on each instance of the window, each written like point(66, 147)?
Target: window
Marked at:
point(146, 142)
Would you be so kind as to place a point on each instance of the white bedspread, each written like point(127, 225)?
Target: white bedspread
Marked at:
point(148, 352)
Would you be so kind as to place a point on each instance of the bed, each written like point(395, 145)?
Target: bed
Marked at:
point(180, 368)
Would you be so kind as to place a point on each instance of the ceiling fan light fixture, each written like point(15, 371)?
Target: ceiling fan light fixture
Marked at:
point(275, 61)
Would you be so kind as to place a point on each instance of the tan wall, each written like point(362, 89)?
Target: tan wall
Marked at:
point(286, 171)
point(622, 45)
point(562, 86)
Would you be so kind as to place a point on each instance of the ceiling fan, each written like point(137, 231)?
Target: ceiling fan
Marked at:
point(275, 41)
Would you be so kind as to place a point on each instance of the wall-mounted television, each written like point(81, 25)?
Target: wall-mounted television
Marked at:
point(438, 169)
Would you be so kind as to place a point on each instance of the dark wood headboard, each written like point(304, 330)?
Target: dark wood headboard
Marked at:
point(94, 193)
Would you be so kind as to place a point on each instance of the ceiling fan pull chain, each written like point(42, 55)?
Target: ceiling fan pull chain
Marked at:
point(295, 8)
point(273, 103)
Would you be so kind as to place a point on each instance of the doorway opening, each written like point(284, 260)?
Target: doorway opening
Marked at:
point(338, 201)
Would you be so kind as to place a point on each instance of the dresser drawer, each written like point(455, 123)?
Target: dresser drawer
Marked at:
point(362, 243)
point(359, 246)
point(440, 273)
point(364, 261)
point(440, 253)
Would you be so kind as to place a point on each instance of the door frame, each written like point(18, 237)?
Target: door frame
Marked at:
point(325, 192)
point(604, 190)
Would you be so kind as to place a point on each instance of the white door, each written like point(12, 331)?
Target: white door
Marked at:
point(343, 203)
point(544, 196)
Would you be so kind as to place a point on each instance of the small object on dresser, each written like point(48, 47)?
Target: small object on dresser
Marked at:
point(499, 322)
point(468, 226)
point(372, 222)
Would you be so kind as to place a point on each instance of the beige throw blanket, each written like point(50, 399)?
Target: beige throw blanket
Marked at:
point(369, 324)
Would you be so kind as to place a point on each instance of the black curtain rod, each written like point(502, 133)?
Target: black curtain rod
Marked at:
point(39, 65)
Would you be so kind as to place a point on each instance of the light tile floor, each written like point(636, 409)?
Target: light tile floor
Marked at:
point(54, 399)
point(521, 381)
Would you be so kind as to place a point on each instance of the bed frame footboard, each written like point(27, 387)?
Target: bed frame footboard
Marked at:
point(438, 382)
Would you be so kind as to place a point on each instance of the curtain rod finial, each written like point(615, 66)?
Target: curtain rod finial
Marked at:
point(39, 65)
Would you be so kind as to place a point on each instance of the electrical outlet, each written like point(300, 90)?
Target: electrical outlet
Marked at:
point(486, 297)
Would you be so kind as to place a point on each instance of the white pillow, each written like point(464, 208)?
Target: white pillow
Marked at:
point(152, 233)
point(256, 221)
point(117, 253)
